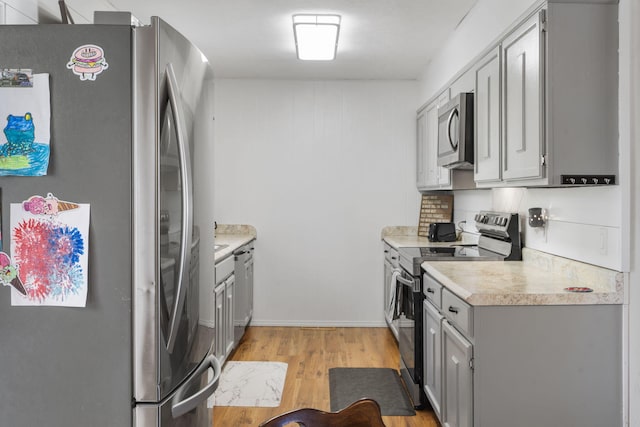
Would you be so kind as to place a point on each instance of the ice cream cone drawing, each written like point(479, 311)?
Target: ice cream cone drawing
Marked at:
point(9, 274)
point(65, 206)
point(50, 205)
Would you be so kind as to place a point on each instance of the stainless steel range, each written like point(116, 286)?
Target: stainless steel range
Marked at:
point(499, 240)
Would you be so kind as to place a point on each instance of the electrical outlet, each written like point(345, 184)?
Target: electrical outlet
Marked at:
point(603, 241)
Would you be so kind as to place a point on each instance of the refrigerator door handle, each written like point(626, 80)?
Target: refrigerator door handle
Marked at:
point(187, 203)
point(181, 405)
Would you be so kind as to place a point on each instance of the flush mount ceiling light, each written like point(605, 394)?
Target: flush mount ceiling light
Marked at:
point(316, 36)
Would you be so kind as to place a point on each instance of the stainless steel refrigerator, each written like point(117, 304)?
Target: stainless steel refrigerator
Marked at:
point(126, 141)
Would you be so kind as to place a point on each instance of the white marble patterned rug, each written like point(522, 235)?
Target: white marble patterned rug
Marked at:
point(250, 384)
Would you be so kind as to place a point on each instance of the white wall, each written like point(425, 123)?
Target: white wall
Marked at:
point(18, 12)
point(319, 168)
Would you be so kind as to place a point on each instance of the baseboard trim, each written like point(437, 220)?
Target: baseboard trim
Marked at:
point(320, 323)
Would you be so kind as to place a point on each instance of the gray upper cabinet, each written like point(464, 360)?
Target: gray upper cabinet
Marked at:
point(522, 99)
point(546, 98)
point(421, 155)
point(487, 118)
point(430, 176)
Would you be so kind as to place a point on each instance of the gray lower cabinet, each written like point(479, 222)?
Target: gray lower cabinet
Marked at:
point(224, 300)
point(457, 378)
point(249, 275)
point(433, 356)
point(229, 296)
point(225, 341)
point(525, 366)
point(221, 341)
point(233, 299)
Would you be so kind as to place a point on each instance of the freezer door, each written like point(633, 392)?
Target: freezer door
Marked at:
point(187, 406)
point(65, 367)
point(169, 339)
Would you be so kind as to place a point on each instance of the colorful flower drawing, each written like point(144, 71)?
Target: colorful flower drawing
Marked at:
point(48, 255)
point(49, 252)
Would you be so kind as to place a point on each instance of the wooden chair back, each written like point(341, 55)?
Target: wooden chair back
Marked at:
point(362, 413)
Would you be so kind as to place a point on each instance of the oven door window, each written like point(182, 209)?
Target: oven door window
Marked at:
point(407, 326)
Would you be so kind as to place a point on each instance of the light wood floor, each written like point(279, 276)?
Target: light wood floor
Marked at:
point(310, 352)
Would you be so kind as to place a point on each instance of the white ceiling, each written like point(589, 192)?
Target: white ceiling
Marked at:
point(379, 39)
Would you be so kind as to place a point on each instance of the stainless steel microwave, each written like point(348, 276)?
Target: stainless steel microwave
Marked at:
point(455, 132)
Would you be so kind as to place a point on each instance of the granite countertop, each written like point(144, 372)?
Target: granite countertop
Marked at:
point(234, 236)
point(539, 279)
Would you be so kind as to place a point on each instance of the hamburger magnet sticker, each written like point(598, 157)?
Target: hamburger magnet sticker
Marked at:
point(87, 62)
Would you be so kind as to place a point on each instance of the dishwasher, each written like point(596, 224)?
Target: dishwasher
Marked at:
point(243, 297)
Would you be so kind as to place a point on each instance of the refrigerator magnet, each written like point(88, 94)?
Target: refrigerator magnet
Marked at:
point(87, 62)
point(9, 274)
point(16, 77)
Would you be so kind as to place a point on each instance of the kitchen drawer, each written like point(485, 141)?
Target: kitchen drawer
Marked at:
point(458, 312)
point(224, 269)
point(432, 290)
point(391, 255)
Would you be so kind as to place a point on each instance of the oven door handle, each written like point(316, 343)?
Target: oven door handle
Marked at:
point(411, 283)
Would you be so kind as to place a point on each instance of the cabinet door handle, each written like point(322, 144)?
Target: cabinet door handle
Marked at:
point(453, 309)
point(454, 144)
point(431, 291)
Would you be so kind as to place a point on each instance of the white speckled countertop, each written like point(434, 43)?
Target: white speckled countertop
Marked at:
point(539, 279)
point(407, 237)
point(234, 236)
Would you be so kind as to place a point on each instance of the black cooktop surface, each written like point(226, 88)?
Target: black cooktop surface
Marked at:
point(411, 258)
point(456, 251)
